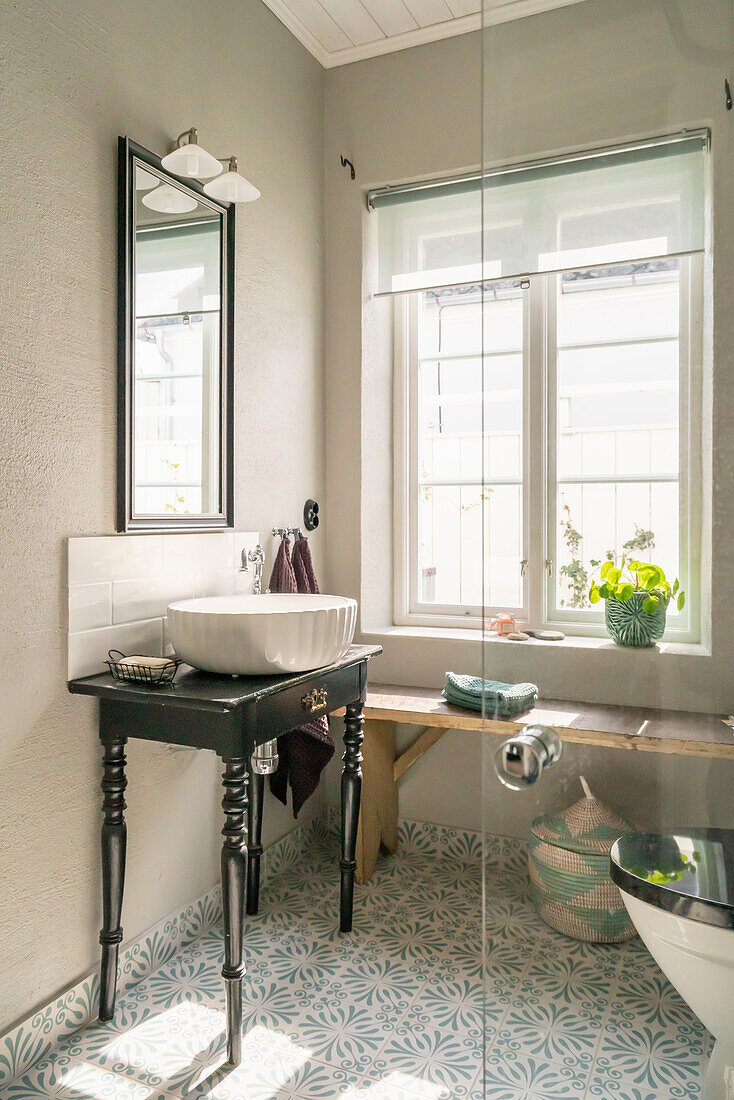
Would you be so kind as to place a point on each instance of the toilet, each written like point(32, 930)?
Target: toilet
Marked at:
point(678, 889)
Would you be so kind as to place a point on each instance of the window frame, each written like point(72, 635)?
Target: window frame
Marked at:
point(538, 475)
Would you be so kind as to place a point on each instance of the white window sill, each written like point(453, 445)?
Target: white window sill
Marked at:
point(574, 642)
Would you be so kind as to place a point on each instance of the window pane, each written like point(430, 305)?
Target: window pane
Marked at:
point(470, 412)
point(176, 403)
point(450, 544)
point(618, 386)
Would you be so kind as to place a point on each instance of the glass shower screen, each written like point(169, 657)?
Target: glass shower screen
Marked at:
point(604, 688)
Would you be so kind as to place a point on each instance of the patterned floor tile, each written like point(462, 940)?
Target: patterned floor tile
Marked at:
point(342, 1032)
point(401, 1009)
point(577, 982)
point(432, 1054)
point(651, 1056)
point(273, 1068)
point(527, 1075)
point(375, 981)
point(551, 1031)
point(611, 1085)
point(60, 1078)
point(397, 1086)
point(167, 1049)
point(456, 1005)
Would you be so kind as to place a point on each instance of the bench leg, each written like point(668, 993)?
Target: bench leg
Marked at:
point(378, 818)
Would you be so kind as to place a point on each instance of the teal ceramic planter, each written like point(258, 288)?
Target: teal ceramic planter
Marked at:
point(629, 625)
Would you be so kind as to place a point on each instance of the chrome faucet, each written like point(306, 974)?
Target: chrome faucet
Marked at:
point(257, 557)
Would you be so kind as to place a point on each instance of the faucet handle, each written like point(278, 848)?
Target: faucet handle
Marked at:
point(257, 555)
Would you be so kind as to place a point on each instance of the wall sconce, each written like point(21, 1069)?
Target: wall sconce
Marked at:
point(187, 158)
point(169, 200)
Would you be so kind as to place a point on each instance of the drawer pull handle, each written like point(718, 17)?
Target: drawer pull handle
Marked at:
point(315, 700)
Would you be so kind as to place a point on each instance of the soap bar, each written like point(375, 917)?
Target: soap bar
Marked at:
point(518, 637)
point(145, 662)
point(547, 635)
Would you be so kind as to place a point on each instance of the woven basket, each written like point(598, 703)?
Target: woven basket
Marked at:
point(569, 872)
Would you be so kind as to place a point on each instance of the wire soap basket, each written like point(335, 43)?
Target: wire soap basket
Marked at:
point(157, 673)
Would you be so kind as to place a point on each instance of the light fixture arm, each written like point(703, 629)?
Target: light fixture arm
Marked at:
point(192, 136)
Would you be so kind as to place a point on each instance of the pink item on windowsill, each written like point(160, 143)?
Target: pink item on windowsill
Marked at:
point(504, 624)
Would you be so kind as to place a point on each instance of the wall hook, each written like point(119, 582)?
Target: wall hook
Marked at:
point(344, 162)
point(727, 96)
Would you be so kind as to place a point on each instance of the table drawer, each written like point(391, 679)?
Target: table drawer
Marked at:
point(321, 694)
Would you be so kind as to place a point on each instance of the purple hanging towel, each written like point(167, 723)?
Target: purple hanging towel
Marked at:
point(282, 578)
point(303, 753)
point(303, 567)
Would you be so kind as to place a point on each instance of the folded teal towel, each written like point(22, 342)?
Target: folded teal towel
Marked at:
point(500, 700)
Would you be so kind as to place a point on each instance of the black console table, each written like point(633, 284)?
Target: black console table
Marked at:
point(231, 716)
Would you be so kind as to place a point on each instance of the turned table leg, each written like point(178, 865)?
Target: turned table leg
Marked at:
point(234, 875)
point(351, 792)
point(114, 842)
point(254, 840)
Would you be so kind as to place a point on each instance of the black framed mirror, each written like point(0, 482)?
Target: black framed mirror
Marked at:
point(175, 350)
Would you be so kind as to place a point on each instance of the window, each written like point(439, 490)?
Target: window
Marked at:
point(544, 422)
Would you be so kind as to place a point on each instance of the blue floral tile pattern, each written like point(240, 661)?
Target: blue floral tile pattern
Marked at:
point(417, 1004)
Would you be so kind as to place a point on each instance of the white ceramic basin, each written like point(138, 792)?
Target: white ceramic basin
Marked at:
point(261, 635)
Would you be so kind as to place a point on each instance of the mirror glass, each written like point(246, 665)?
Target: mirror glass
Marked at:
point(175, 401)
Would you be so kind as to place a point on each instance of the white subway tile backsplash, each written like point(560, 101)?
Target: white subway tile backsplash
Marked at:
point(198, 555)
point(115, 558)
point(90, 606)
point(148, 598)
point(88, 648)
point(120, 587)
point(220, 584)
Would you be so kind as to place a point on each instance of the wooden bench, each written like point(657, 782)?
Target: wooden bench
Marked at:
point(632, 728)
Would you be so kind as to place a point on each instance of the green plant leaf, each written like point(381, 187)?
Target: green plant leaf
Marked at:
point(625, 591)
point(606, 567)
point(681, 601)
point(594, 594)
point(651, 604)
point(676, 586)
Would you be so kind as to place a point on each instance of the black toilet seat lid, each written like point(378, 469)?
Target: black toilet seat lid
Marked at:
point(689, 872)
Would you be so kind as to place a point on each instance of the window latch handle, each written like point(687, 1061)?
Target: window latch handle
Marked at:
point(549, 566)
point(523, 566)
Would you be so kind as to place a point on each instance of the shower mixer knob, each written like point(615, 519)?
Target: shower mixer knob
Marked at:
point(519, 761)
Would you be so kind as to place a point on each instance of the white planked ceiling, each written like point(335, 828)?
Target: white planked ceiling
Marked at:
point(339, 31)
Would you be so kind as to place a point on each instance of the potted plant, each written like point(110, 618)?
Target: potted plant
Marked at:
point(637, 595)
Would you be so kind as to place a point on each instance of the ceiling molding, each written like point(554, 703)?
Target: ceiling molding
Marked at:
point(503, 12)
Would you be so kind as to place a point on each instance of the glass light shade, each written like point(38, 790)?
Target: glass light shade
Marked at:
point(144, 181)
point(192, 161)
point(169, 200)
point(232, 187)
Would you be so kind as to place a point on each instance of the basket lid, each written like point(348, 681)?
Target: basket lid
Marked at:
point(587, 826)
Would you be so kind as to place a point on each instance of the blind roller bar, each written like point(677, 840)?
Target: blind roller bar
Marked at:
point(489, 281)
point(668, 144)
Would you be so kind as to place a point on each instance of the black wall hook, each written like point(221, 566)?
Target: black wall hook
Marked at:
point(344, 162)
point(727, 95)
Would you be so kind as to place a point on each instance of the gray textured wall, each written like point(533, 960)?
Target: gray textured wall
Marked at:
point(79, 73)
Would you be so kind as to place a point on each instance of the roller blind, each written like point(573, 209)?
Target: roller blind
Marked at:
point(610, 206)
